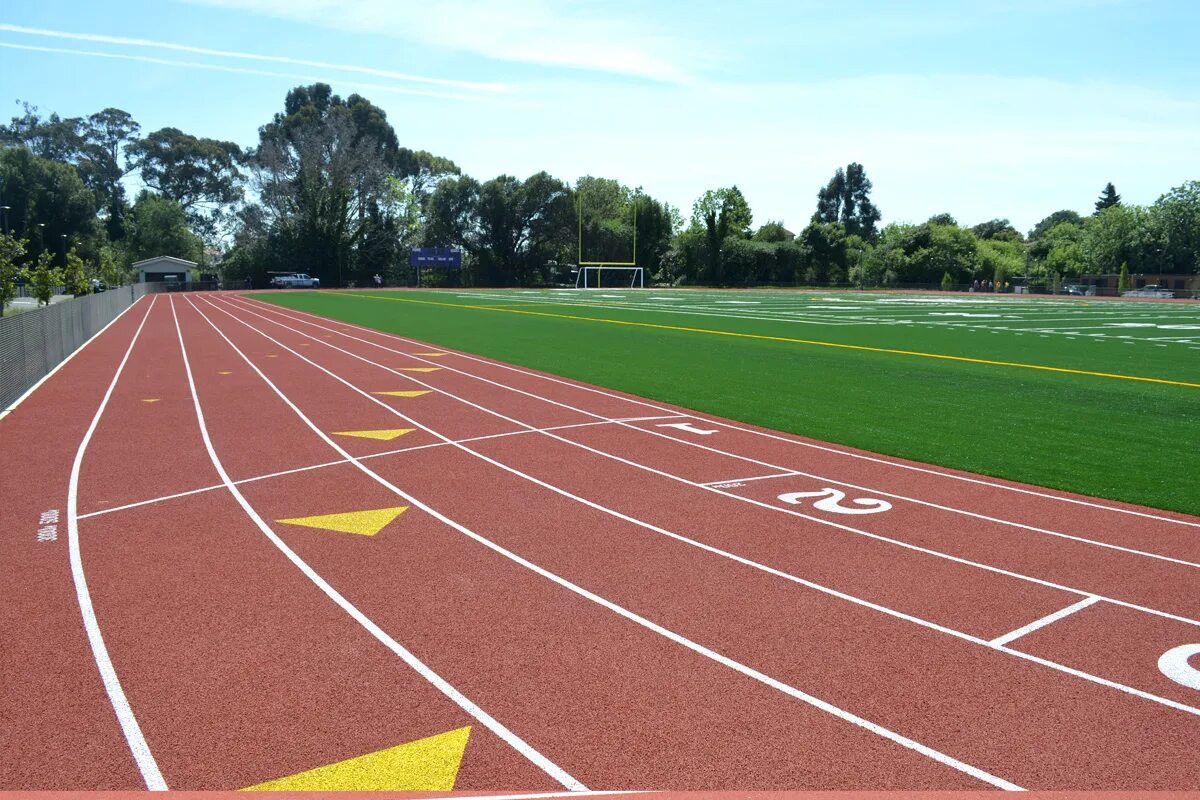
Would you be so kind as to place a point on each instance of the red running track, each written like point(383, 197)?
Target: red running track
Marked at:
point(610, 593)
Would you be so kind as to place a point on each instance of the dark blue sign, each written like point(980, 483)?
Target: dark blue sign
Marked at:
point(446, 257)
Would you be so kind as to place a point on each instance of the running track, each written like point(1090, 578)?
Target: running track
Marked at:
point(610, 593)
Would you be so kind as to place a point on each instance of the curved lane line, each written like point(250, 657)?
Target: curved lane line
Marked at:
point(1054, 665)
point(715, 421)
point(466, 704)
point(786, 470)
point(108, 673)
point(695, 647)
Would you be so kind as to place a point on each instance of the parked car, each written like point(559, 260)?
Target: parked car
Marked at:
point(98, 286)
point(296, 280)
point(1152, 290)
point(1079, 290)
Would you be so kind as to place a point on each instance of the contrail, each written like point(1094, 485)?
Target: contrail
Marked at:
point(183, 48)
point(238, 70)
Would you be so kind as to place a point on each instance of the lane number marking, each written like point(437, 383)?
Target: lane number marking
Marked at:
point(1174, 664)
point(831, 501)
point(48, 526)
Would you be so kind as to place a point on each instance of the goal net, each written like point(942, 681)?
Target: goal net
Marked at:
point(609, 276)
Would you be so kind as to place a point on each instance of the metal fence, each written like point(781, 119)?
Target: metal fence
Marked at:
point(34, 342)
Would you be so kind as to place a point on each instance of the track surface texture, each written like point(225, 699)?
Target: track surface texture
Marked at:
point(246, 546)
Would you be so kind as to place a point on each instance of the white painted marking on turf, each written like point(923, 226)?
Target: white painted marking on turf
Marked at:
point(1037, 624)
point(63, 363)
point(791, 441)
point(1174, 664)
point(444, 686)
point(146, 764)
point(748, 562)
point(620, 610)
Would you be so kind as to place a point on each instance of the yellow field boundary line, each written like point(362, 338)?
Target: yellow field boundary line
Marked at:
point(785, 339)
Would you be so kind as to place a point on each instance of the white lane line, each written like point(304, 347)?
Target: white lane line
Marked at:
point(340, 461)
point(750, 672)
point(784, 470)
point(754, 564)
point(715, 421)
point(787, 474)
point(63, 363)
point(466, 704)
point(1012, 636)
point(146, 764)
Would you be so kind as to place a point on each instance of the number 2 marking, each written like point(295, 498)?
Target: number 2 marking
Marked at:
point(831, 501)
point(1174, 664)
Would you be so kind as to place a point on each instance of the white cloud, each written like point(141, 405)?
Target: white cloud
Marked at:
point(581, 35)
point(99, 38)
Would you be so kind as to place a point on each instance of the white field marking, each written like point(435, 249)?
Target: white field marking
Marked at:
point(63, 363)
point(1174, 664)
point(466, 704)
point(340, 461)
point(787, 474)
point(737, 666)
point(1037, 624)
point(766, 464)
point(683, 426)
point(715, 421)
point(779, 573)
point(146, 764)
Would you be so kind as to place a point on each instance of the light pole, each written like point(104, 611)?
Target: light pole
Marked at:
point(64, 250)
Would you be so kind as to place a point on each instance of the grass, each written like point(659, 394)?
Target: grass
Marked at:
point(1107, 437)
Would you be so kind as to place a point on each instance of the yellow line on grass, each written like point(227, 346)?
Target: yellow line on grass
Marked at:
point(788, 340)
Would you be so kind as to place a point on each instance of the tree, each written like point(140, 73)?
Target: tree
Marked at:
point(44, 192)
point(12, 250)
point(720, 213)
point(452, 214)
point(1108, 198)
point(53, 138)
point(44, 278)
point(202, 175)
point(1054, 219)
point(108, 135)
point(109, 268)
point(942, 219)
point(1120, 234)
point(947, 281)
point(73, 277)
point(158, 227)
point(824, 246)
point(846, 200)
point(773, 232)
point(1176, 219)
point(522, 225)
point(1063, 254)
point(996, 229)
point(1123, 280)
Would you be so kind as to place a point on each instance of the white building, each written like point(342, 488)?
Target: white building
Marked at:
point(164, 269)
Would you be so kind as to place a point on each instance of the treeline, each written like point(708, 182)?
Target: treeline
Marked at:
point(329, 190)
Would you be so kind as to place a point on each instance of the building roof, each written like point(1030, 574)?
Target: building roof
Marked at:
point(182, 262)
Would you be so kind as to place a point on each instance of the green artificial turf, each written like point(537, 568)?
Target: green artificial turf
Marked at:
point(1113, 438)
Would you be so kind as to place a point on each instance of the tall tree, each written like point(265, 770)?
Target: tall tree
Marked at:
point(202, 175)
point(721, 213)
point(47, 200)
point(109, 135)
point(1054, 219)
point(1108, 198)
point(522, 225)
point(158, 226)
point(846, 199)
point(997, 229)
point(1176, 219)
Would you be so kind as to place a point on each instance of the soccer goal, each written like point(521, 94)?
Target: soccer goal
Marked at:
point(609, 276)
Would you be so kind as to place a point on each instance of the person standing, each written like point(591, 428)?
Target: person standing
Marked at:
point(378, 281)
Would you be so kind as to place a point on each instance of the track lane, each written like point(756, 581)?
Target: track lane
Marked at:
point(1023, 550)
point(59, 730)
point(1120, 523)
point(665, 681)
point(1073, 689)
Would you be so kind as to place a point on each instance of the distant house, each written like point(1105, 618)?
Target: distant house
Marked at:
point(1182, 284)
point(164, 269)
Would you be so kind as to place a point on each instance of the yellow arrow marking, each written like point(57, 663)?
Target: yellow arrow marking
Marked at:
point(419, 369)
point(431, 355)
point(426, 765)
point(404, 394)
point(272, 355)
point(225, 373)
point(364, 523)
point(151, 399)
point(382, 435)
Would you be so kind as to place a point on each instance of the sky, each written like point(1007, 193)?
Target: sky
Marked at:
point(979, 108)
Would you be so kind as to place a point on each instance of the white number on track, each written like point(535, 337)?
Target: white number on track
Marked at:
point(1174, 664)
point(831, 501)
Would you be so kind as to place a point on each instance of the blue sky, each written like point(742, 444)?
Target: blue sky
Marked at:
point(1010, 108)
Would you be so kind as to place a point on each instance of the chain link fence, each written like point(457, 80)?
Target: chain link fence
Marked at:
point(34, 342)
